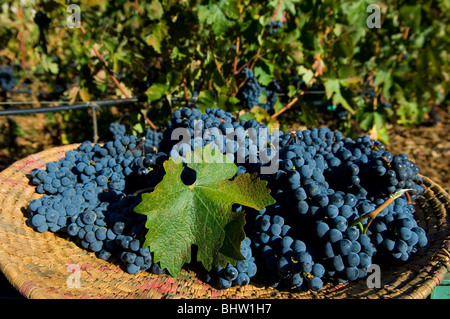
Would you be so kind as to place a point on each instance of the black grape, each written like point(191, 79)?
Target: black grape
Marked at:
point(322, 182)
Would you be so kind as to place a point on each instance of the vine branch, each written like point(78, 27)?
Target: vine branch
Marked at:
point(111, 73)
point(287, 106)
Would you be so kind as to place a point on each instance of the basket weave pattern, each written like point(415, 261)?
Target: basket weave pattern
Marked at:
point(43, 265)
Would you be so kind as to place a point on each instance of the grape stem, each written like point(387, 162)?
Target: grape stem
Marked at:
point(371, 215)
point(258, 54)
point(408, 197)
point(287, 106)
point(185, 91)
point(140, 144)
point(292, 137)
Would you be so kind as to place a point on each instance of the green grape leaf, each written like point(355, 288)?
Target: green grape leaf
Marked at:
point(217, 15)
point(206, 99)
point(307, 75)
point(155, 10)
point(156, 91)
point(333, 89)
point(180, 215)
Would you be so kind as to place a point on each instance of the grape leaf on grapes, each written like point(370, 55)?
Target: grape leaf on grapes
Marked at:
point(180, 215)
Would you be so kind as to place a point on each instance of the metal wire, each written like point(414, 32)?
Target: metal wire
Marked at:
point(33, 102)
point(67, 107)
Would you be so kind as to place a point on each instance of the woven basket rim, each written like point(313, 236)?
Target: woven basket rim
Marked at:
point(37, 264)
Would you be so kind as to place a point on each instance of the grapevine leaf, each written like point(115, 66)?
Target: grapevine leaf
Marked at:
point(333, 89)
point(180, 215)
point(156, 10)
point(307, 75)
point(384, 77)
point(206, 98)
point(216, 15)
point(156, 91)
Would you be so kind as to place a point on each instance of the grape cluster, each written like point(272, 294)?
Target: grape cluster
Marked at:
point(89, 197)
point(253, 94)
point(124, 238)
point(152, 138)
point(240, 274)
point(395, 231)
point(314, 215)
point(7, 78)
point(364, 166)
point(323, 184)
point(250, 145)
point(118, 130)
point(274, 26)
point(283, 257)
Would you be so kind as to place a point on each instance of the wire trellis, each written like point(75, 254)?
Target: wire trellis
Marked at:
point(65, 106)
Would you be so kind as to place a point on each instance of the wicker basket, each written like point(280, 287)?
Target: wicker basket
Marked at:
point(47, 265)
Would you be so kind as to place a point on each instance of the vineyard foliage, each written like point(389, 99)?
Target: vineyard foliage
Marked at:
point(326, 56)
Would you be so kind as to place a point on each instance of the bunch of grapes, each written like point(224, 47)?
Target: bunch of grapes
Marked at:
point(240, 274)
point(90, 199)
point(274, 26)
point(324, 185)
point(118, 130)
point(152, 138)
point(253, 94)
point(395, 232)
point(7, 78)
point(283, 257)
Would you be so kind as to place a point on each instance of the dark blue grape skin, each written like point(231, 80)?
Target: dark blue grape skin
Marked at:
point(274, 26)
point(252, 92)
point(323, 177)
point(83, 210)
point(241, 274)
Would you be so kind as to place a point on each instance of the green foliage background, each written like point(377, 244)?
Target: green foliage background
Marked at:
point(175, 49)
